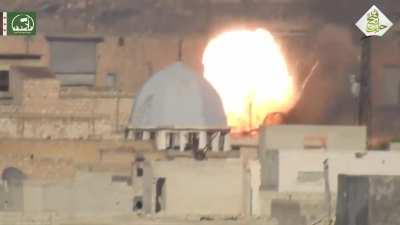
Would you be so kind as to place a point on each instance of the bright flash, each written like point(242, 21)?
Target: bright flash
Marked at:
point(249, 72)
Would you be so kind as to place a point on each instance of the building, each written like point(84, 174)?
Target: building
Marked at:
point(179, 110)
point(298, 168)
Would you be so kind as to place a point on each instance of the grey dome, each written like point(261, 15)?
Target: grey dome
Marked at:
point(176, 97)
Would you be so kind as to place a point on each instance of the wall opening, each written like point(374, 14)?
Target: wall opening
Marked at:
point(11, 194)
point(173, 140)
point(4, 81)
point(160, 194)
point(138, 165)
point(139, 171)
point(138, 135)
point(221, 142)
point(152, 135)
point(193, 141)
point(210, 136)
point(137, 203)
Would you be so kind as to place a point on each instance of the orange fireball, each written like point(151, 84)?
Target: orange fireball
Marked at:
point(250, 74)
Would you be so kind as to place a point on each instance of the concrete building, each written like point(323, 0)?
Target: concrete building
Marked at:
point(67, 159)
point(179, 110)
point(182, 186)
point(117, 179)
point(303, 163)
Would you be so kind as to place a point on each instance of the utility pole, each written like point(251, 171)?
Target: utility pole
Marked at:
point(372, 24)
point(365, 103)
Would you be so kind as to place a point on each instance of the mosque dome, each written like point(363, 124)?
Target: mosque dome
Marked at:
point(177, 98)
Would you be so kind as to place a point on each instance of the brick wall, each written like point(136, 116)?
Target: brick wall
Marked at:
point(39, 167)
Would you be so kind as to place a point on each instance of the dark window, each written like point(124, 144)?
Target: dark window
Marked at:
point(4, 80)
point(221, 142)
point(152, 135)
point(13, 200)
point(138, 135)
point(193, 141)
point(210, 136)
point(160, 194)
point(139, 172)
point(173, 140)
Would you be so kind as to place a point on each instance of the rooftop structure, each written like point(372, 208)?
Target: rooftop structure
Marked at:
point(179, 109)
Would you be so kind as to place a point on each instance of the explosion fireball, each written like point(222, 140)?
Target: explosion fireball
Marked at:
point(249, 72)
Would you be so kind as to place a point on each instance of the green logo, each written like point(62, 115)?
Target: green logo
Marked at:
point(21, 23)
point(373, 24)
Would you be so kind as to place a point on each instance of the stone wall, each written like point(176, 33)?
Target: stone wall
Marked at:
point(136, 57)
point(34, 45)
point(42, 110)
point(131, 58)
point(48, 126)
point(27, 154)
point(36, 167)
